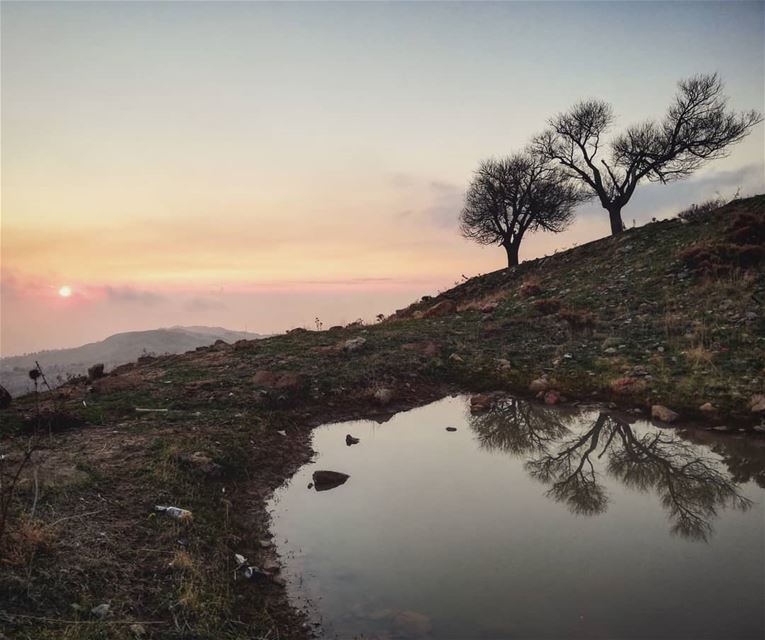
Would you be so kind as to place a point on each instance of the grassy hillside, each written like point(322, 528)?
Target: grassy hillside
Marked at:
point(58, 364)
point(670, 313)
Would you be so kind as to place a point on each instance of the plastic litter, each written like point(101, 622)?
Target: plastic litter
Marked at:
point(174, 512)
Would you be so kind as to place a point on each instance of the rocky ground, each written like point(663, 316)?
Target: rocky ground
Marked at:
point(666, 319)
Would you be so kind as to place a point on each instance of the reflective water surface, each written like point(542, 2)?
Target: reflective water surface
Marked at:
point(527, 522)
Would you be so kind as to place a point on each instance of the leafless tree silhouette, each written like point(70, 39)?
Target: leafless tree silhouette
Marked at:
point(691, 487)
point(513, 195)
point(697, 127)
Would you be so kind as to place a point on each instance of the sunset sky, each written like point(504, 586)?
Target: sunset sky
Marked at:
point(255, 165)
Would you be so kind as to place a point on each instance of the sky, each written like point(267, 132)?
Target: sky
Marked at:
point(259, 165)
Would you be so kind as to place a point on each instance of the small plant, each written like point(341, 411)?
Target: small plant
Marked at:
point(380, 317)
point(319, 324)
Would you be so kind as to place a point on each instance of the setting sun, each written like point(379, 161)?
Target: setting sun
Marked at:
point(65, 291)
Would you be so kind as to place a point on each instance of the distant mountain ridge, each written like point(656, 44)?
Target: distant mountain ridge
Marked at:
point(113, 351)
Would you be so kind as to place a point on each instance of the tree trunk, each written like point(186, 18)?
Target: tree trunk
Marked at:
point(512, 254)
point(615, 216)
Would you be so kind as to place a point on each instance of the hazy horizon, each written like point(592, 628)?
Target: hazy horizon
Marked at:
point(257, 165)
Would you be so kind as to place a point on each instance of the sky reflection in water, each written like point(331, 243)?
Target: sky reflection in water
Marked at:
point(527, 522)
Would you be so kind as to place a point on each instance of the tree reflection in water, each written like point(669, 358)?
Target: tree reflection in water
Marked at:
point(690, 486)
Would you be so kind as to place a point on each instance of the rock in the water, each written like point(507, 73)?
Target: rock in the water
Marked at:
point(480, 402)
point(324, 480)
point(451, 428)
point(354, 344)
point(443, 308)
point(660, 412)
point(707, 407)
point(757, 403)
point(5, 398)
point(383, 396)
point(350, 440)
point(540, 384)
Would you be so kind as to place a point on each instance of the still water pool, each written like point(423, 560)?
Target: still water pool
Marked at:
point(527, 522)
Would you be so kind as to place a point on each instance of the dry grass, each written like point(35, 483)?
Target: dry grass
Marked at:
point(25, 538)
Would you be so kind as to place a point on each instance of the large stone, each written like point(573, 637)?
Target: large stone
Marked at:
point(354, 344)
point(707, 407)
point(660, 412)
point(481, 402)
point(324, 480)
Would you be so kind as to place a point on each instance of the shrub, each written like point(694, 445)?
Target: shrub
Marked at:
point(697, 211)
point(547, 306)
point(95, 372)
point(530, 288)
point(577, 320)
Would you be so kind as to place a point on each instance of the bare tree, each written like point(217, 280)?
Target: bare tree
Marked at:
point(513, 195)
point(697, 127)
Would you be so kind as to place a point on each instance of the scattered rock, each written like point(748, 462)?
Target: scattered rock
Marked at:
point(538, 385)
point(200, 462)
point(354, 344)
point(265, 544)
point(627, 386)
point(757, 403)
point(660, 412)
point(138, 630)
point(480, 402)
point(451, 428)
point(383, 396)
point(610, 350)
point(455, 357)
point(443, 308)
point(350, 440)
point(5, 398)
point(100, 611)
point(489, 307)
point(721, 427)
point(271, 566)
point(324, 480)
point(707, 407)
point(503, 364)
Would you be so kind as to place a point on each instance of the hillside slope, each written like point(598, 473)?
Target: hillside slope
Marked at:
point(669, 313)
point(111, 352)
